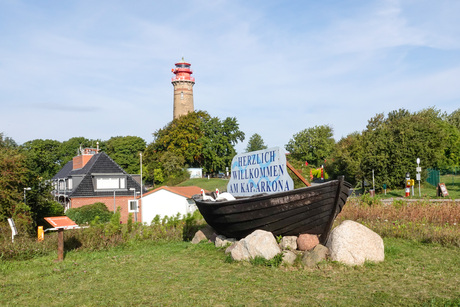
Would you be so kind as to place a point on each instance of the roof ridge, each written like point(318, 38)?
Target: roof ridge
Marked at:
point(175, 190)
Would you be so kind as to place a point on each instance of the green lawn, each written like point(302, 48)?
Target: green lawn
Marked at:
point(207, 184)
point(426, 190)
point(182, 274)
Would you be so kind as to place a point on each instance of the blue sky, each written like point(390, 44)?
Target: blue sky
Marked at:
point(103, 68)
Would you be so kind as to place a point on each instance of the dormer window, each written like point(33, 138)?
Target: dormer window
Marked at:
point(110, 183)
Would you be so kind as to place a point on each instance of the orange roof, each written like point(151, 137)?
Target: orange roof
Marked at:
point(183, 191)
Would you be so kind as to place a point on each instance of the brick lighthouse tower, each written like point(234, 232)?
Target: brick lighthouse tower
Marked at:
point(183, 89)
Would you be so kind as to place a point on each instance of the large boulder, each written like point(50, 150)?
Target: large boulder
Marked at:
point(260, 243)
point(317, 254)
point(306, 242)
point(198, 237)
point(222, 241)
point(289, 257)
point(352, 243)
point(289, 242)
point(238, 251)
point(207, 233)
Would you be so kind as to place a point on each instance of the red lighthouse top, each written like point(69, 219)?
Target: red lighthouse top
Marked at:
point(182, 72)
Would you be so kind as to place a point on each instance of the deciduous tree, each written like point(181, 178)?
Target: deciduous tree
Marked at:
point(124, 150)
point(13, 179)
point(255, 143)
point(43, 157)
point(313, 145)
point(391, 145)
point(346, 158)
point(198, 138)
point(218, 143)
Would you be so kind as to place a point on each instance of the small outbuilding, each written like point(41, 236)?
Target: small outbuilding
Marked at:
point(168, 201)
point(195, 172)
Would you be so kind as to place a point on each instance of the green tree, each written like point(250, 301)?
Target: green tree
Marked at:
point(391, 145)
point(218, 143)
point(313, 145)
point(181, 137)
point(454, 119)
point(124, 150)
point(180, 140)
point(199, 139)
point(255, 143)
point(43, 157)
point(346, 158)
point(13, 179)
point(452, 145)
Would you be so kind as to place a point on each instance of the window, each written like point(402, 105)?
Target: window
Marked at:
point(69, 184)
point(110, 183)
point(181, 95)
point(132, 205)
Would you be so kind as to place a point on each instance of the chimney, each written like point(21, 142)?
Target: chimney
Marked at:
point(86, 155)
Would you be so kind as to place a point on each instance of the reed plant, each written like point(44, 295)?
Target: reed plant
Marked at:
point(102, 236)
point(421, 221)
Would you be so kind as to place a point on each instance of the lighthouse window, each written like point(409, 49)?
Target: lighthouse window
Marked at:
point(181, 95)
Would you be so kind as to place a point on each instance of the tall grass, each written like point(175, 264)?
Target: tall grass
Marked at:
point(103, 236)
point(421, 221)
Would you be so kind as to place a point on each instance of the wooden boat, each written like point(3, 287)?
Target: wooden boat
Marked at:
point(309, 210)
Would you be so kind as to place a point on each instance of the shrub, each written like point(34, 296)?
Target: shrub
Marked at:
point(274, 262)
point(86, 214)
point(367, 199)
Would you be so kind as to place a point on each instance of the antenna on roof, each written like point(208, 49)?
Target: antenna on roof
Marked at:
point(97, 146)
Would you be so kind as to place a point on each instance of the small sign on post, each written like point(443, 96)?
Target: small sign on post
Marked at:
point(418, 176)
point(14, 231)
point(60, 223)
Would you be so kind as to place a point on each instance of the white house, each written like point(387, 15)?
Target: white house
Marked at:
point(168, 201)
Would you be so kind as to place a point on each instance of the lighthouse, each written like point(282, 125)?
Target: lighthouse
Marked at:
point(183, 88)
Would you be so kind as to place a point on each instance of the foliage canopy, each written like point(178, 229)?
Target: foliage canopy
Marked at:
point(194, 140)
point(255, 143)
point(313, 145)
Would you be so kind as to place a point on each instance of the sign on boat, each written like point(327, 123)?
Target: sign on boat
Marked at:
point(262, 171)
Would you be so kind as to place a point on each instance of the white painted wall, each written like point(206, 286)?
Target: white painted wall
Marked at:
point(163, 203)
point(195, 172)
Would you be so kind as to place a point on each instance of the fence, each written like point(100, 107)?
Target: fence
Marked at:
point(433, 177)
point(449, 176)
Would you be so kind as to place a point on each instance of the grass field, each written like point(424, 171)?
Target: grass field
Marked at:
point(182, 274)
point(207, 184)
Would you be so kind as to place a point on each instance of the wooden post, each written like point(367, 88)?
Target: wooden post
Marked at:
point(60, 244)
point(297, 174)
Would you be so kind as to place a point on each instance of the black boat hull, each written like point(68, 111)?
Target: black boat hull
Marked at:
point(309, 210)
